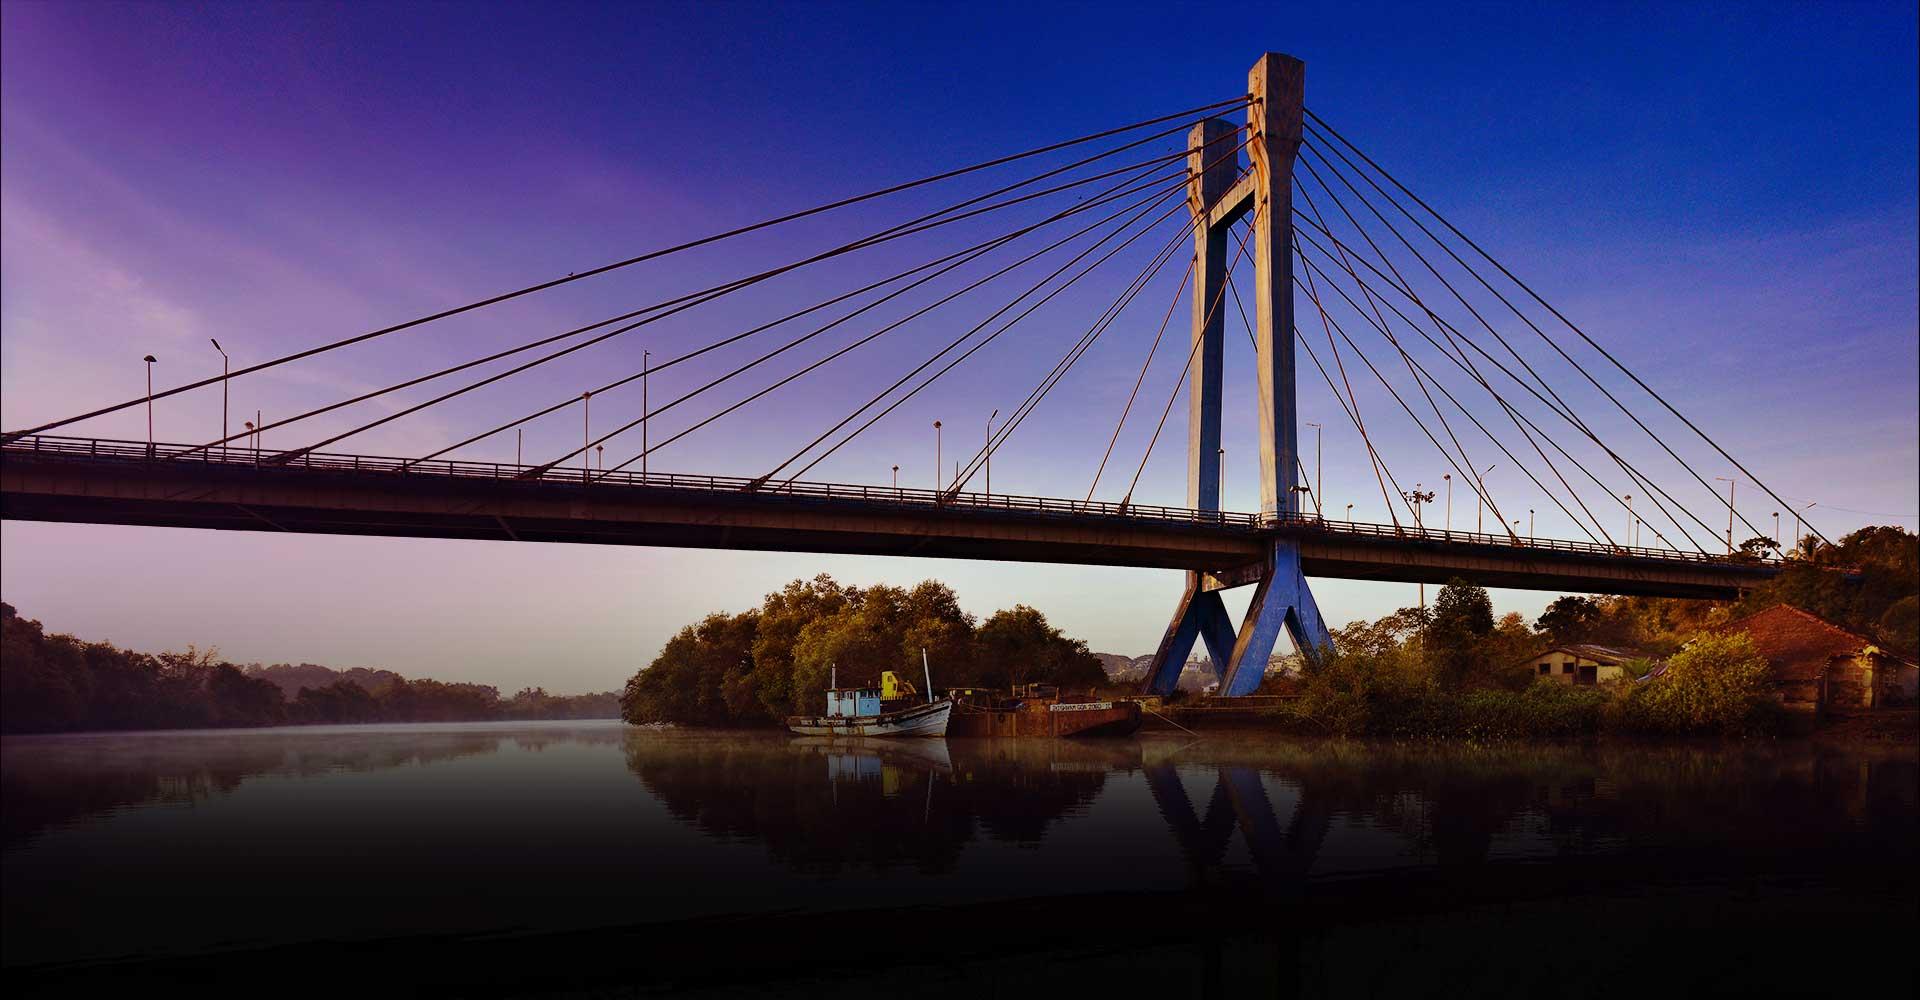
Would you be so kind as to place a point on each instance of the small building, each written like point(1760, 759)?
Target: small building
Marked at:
point(1819, 665)
point(1583, 663)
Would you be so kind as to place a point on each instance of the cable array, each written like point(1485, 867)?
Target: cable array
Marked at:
point(1388, 289)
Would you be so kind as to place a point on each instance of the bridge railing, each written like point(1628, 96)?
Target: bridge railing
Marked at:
point(1292, 523)
point(1312, 522)
point(507, 471)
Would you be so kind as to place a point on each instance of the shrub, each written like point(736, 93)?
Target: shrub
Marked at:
point(1718, 684)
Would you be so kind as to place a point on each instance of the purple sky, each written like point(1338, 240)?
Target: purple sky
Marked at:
point(1724, 197)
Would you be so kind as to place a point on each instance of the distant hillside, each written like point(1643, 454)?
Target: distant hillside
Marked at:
point(1195, 676)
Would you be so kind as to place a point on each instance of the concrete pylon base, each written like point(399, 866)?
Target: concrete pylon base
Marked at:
point(1282, 600)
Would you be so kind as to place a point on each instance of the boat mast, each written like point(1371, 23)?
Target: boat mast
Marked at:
point(928, 672)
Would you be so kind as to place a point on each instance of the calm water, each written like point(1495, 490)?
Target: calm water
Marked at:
point(1205, 861)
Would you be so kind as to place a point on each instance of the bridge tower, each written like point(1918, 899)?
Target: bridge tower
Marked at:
point(1281, 598)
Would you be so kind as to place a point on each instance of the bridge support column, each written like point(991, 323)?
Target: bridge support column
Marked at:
point(1281, 600)
point(1217, 202)
point(1201, 615)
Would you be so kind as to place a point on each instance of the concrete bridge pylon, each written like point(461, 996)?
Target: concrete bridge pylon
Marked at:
point(1219, 194)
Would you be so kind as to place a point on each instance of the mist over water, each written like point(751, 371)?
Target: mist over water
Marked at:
point(174, 845)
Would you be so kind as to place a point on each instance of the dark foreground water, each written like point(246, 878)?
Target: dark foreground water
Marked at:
point(596, 859)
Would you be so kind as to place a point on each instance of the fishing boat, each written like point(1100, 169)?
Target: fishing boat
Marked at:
point(1039, 710)
point(895, 708)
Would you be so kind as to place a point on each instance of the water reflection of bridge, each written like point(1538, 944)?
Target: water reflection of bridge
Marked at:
point(1239, 800)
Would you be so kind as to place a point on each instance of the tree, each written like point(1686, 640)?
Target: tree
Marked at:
point(1018, 646)
point(1570, 619)
point(1462, 619)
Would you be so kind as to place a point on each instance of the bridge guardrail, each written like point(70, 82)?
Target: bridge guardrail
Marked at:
point(505, 471)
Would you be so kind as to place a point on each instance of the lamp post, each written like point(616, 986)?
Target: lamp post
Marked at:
point(518, 440)
point(646, 358)
point(1797, 523)
point(1449, 478)
point(896, 477)
point(1220, 488)
point(149, 360)
point(586, 436)
point(1776, 531)
point(989, 447)
point(936, 456)
point(1529, 524)
point(1319, 480)
point(1730, 485)
point(1349, 513)
point(259, 431)
point(1629, 499)
point(250, 444)
point(600, 456)
point(1480, 498)
point(224, 367)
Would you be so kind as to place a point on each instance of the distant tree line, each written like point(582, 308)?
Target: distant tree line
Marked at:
point(57, 683)
point(759, 666)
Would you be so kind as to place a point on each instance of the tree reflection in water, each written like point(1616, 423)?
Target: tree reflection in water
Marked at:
point(822, 806)
point(48, 782)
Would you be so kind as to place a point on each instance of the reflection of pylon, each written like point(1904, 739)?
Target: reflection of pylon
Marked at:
point(1283, 856)
point(1218, 197)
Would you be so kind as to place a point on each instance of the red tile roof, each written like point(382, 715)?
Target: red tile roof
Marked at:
point(1797, 643)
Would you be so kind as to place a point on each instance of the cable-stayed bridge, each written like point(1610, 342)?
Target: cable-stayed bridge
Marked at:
point(1403, 318)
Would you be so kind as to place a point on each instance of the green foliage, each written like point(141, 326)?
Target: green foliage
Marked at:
point(1718, 685)
point(1462, 620)
point(756, 668)
point(1571, 619)
point(57, 683)
point(1857, 584)
point(1900, 626)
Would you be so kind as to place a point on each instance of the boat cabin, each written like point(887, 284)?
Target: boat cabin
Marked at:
point(855, 702)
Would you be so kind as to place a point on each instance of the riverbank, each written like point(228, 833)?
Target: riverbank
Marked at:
point(1482, 716)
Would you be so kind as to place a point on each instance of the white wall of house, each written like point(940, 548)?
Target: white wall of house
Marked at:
point(1566, 667)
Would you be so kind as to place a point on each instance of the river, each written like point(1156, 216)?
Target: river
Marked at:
point(543, 858)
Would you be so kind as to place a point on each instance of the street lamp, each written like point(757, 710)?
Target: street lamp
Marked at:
point(1449, 478)
point(1319, 481)
point(586, 436)
point(519, 436)
point(896, 477)
point(989, 447)
point(1529, 524)
point(1629, 499)
point(251, 441)
point(1220, 487)
point(1416, 500)
point(224, 366)
point(646, 358)
point(936, 456)
point(1349, 513)
point(1480, 498)
point(150, 361)
point(1797, 523)
point(600, 456)
point(1730, 485)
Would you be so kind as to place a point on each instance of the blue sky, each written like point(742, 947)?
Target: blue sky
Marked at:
point(1723, 195)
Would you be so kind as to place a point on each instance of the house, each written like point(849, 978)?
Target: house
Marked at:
point(1583, 663)
point(1819, 665)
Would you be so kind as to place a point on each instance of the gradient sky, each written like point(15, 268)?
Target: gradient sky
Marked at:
point(1724, 195)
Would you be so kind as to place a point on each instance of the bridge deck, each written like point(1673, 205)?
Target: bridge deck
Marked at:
point(117, 482)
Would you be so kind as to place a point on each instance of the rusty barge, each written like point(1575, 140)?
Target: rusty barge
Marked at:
point(1038, 710)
